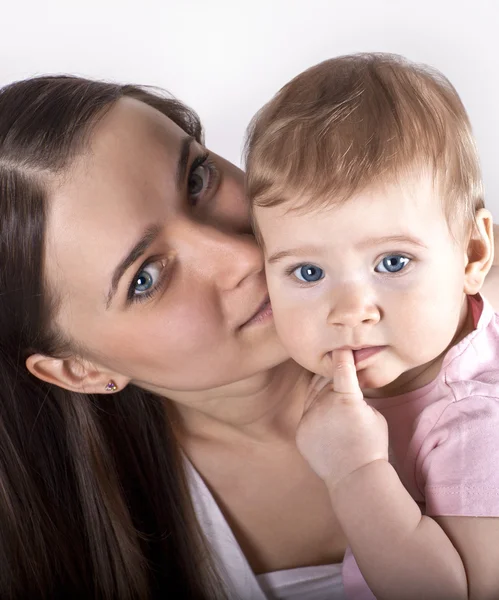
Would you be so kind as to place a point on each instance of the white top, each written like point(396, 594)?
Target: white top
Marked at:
point(307, 583)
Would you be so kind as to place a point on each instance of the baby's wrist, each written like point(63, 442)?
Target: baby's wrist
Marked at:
point(369, 473)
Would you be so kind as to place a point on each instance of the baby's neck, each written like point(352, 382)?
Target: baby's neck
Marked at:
point(416, 378)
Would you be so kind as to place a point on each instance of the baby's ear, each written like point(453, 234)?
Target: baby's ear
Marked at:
point(480, 252)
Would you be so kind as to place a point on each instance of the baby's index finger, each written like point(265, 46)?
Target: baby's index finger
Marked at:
point(344, 373)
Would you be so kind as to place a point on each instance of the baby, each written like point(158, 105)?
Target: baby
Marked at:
point(367, 200)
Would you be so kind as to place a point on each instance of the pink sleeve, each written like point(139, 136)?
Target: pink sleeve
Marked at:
point(458, 465)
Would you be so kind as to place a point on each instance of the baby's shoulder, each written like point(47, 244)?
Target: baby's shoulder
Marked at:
point(470, 411)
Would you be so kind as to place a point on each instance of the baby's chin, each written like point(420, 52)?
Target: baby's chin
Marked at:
point(376, 383)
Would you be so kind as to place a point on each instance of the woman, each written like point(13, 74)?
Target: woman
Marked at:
point(147, 410)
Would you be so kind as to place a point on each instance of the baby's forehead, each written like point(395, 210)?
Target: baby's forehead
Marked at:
point(395, 198)
point(412, 210)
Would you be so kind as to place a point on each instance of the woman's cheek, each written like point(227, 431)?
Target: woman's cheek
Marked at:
point(191, 326)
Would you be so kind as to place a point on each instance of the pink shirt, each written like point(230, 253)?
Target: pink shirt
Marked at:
point(444, 437)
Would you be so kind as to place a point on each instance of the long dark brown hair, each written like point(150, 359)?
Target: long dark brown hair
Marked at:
point(94, 501)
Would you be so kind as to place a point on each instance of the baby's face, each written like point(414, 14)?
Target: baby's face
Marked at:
point(381, 274)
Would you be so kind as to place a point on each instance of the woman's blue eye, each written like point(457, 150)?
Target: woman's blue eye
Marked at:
point(392, 264)
point(308, 273)
point(143, 282)
point(147, 278)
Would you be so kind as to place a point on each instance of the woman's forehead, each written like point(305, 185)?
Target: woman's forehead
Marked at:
point(133, 151)
point(132, 128)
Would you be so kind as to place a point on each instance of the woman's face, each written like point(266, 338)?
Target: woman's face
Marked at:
point(150, 252)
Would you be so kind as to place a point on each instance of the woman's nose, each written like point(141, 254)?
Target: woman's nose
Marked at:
point(228, 258)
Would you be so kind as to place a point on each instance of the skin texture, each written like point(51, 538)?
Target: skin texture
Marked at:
point(239, 406)
point(414, 314)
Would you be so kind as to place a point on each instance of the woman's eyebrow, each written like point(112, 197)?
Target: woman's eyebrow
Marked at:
point(146, 239)
point(183, 160)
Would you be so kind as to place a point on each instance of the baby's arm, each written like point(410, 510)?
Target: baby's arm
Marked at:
point(477, 541)
point(401, 553)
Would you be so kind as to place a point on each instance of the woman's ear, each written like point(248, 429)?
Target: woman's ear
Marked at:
point(75, 374)
point(480, 252)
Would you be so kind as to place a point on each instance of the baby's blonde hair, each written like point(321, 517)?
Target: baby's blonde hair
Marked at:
point(358, 121)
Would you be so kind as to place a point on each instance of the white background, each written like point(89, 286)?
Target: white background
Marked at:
point(226, 58)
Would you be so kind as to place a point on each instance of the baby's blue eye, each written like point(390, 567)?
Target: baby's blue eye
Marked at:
point(392, 264)
point(308, 273)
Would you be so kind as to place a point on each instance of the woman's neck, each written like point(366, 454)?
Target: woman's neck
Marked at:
point(266, 407)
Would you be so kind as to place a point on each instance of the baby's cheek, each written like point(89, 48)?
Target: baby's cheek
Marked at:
point(287, 321)
point(298, 336)
point(295, 317)
point(426, 335)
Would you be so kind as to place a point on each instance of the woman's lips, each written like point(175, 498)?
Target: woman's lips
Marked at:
point(262, 314)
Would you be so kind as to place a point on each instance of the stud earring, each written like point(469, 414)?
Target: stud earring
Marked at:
point(111, 386)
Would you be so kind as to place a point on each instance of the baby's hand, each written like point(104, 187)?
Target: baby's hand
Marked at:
point(339, 432)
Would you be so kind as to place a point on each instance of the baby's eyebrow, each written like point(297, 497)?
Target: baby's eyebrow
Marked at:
point(387, 239)
point(367, 242)
point(300, 251)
